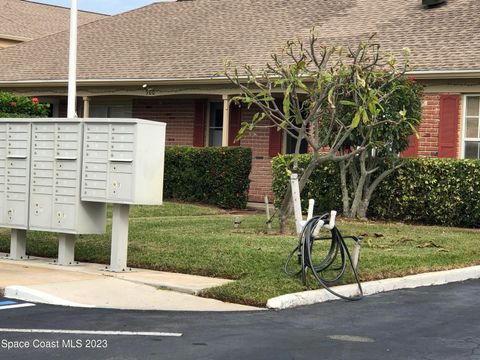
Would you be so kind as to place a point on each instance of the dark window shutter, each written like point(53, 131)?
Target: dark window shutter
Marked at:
point(200, 121)
point(275, 147)
point(412, 150)
point(235, 121)
point(448, 128)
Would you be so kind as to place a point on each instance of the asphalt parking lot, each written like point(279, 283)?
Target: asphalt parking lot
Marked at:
point(441, 322)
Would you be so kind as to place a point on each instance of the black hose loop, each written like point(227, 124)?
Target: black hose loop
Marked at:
point(337, 247)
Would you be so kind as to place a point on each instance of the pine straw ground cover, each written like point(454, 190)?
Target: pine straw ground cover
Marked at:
point(203, 240)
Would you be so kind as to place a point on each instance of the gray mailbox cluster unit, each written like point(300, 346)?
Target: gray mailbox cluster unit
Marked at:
point(121, 162)
point(58, 174)
point(14, 174)
point(55, 181)
point(40, 176)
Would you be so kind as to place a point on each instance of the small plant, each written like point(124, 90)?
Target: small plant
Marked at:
point(13, 106)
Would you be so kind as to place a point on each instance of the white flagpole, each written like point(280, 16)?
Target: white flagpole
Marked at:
point(66, 242)
point(72, 62)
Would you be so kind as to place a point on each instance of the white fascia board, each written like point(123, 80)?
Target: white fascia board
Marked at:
point(444, 74)
point(419, 74)
point(63, 82)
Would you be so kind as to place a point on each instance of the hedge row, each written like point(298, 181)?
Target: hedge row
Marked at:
point(428, 191)
point(217, 176)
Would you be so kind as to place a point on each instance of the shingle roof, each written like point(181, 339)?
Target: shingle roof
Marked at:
point(27, 20)
point(189, 39)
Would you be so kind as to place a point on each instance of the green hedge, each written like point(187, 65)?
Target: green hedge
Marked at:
point(322, 186)
point(217, 176)
point(428, 191)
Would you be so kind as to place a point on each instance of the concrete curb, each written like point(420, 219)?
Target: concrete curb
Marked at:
point(374, 287)
point(26, 294)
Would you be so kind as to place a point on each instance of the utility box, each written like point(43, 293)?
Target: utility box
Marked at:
point(123, 161)
point(55, 203)
point(14, 173)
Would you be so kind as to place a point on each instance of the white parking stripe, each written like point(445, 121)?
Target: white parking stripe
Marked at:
point(87, 332)
point(6, 307)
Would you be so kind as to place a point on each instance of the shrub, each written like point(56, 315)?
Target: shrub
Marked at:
point(323, 185)
point(428, 191)
point(218, 176)
point(431, 191)
point(12, 106)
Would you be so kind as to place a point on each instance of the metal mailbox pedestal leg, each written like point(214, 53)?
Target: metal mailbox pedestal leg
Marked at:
point(118, 257)
point(18, 244)
point(66, 249)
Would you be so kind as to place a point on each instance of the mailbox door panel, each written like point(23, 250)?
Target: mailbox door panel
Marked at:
point(64, 217)
point(16, 213)
point(41, 211)
point(120, 187)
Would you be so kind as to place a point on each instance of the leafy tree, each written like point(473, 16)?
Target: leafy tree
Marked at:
point(304, 92)
point(12, 106)
point(361, 174)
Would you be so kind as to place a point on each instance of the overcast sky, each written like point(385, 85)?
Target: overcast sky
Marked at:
point(102, 6)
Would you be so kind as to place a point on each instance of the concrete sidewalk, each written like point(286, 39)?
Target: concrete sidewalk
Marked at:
point(89, 285)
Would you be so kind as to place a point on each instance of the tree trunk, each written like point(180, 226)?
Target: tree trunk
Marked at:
point(357, 199)
point(362, 209)
point(344, 185)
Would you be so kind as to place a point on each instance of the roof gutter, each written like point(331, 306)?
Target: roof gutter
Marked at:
point(420, 74)
point(445, 74)
point(130, 82)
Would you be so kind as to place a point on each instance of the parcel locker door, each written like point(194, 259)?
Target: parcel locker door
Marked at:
point(41, 211)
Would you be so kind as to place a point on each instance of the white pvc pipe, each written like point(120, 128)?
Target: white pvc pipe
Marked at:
point(331, 224)
point(318, 227)
point(311, 205)
point(297, 207)
point(72, 62)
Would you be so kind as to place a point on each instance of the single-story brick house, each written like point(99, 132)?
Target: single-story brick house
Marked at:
point(22, 20)
point(158, 62)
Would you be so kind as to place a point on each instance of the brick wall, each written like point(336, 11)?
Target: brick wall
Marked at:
point(429, 128)
point(261, 176)
point(178, 114)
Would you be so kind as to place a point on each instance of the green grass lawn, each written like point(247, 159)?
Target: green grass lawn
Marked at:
point(202, 240)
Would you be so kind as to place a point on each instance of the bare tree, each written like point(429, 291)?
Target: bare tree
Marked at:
point(303, 88)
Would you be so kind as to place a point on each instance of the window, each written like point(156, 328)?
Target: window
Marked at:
point(291, 143)
point(110, 111)
point(472, 127)
point(215, 124)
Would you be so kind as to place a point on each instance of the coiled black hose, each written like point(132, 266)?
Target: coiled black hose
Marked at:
point(304, 251)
